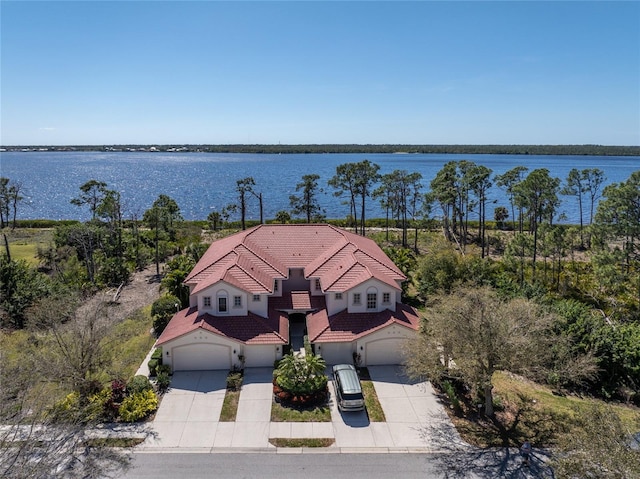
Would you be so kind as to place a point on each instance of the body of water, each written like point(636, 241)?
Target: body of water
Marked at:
point(205, 182)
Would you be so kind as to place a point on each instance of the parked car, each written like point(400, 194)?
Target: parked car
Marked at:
point(347, 386)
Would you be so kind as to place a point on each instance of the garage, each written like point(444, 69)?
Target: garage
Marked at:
point(259, 356)
point(198, 357)
point(385, 351)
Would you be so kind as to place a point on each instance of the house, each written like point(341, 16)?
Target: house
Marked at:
point(254, 294)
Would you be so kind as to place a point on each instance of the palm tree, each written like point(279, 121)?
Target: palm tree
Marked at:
point(301, 374)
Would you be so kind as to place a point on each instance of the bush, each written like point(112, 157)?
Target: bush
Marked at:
point(101, 405)
point(162, 382)
point(301, 375)
point(157, 354)
point(138, 384)
point(163, 369)
point(234, 381)
point(450, 391)
point(138, 406)
point(66, 409)
point(153, 365)
point(162, 310)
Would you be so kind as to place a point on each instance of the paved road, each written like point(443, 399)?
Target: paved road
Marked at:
point(491, 464)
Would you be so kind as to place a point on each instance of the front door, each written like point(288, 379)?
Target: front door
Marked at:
point(297, 330)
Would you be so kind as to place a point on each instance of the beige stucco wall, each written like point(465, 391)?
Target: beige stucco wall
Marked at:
point(222, 288)
point(370, 285)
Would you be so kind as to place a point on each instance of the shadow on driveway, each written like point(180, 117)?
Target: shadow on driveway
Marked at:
point(198, 381)
point(355, 418)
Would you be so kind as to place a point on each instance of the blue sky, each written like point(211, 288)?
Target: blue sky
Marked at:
point(449, 72)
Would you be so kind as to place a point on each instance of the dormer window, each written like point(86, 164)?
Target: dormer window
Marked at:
point(318, 284)
point(372, 300)
point(386, 298)
point(356, 298)
point(338, 296)
point(275, 286)
point(237, 301)
point(222, 304)
point(256, 297)
point(206, 301)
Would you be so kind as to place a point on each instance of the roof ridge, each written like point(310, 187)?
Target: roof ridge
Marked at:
point(251, 275)
point(216, 258)
point(328, 326)
point(264, 323)
point(346, 270)
point(380, 262)
point(271, 261)
point(329, 254)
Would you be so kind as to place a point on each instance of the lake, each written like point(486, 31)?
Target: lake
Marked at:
point(205, 182)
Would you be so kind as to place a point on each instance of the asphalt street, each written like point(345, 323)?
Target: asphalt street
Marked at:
point(486, 464)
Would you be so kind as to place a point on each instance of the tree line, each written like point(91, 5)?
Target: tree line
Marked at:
point(592, 150)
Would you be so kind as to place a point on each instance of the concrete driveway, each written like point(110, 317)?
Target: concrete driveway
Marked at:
point(189, 412)
point(415, 417)
point(188, 417)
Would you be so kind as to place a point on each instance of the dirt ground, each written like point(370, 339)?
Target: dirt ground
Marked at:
point(142, 290)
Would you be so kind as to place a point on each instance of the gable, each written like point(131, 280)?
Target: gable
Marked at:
point(251, 260)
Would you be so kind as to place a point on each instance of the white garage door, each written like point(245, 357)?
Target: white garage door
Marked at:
point(198, 357)
point(259, 356)
point(385, 351)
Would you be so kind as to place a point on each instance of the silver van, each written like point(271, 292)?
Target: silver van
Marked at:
point(348, 390)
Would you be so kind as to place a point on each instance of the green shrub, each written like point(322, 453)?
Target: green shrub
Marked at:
point(301, 374)
point(162, 310)
point(139, 384)
point(153, 365)
point(138, 406)
point(307, 346)
point(162, 382)
point(66, 409)
point(234, 381)
point(100, 405)
point(450, 391)
point(163, 369)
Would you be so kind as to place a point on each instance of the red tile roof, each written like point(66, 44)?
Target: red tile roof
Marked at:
point(253, 329)
point(345, 327)
point(250, 329)
point(297, 300)
point(253, 259)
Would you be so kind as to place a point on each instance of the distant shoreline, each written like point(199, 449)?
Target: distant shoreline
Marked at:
point(564, 150)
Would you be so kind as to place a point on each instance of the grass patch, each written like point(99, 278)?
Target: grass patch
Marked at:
point(527, 411)
point(114, 442)
point(280, 413)
point(301, 442)
point(24, 242)
point(131, 341)
point(230, 406)
point(374, 409)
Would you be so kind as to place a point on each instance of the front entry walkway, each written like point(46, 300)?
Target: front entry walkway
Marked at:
point(188, 418)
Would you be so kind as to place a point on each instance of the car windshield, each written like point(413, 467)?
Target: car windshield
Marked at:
point(353, 397)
